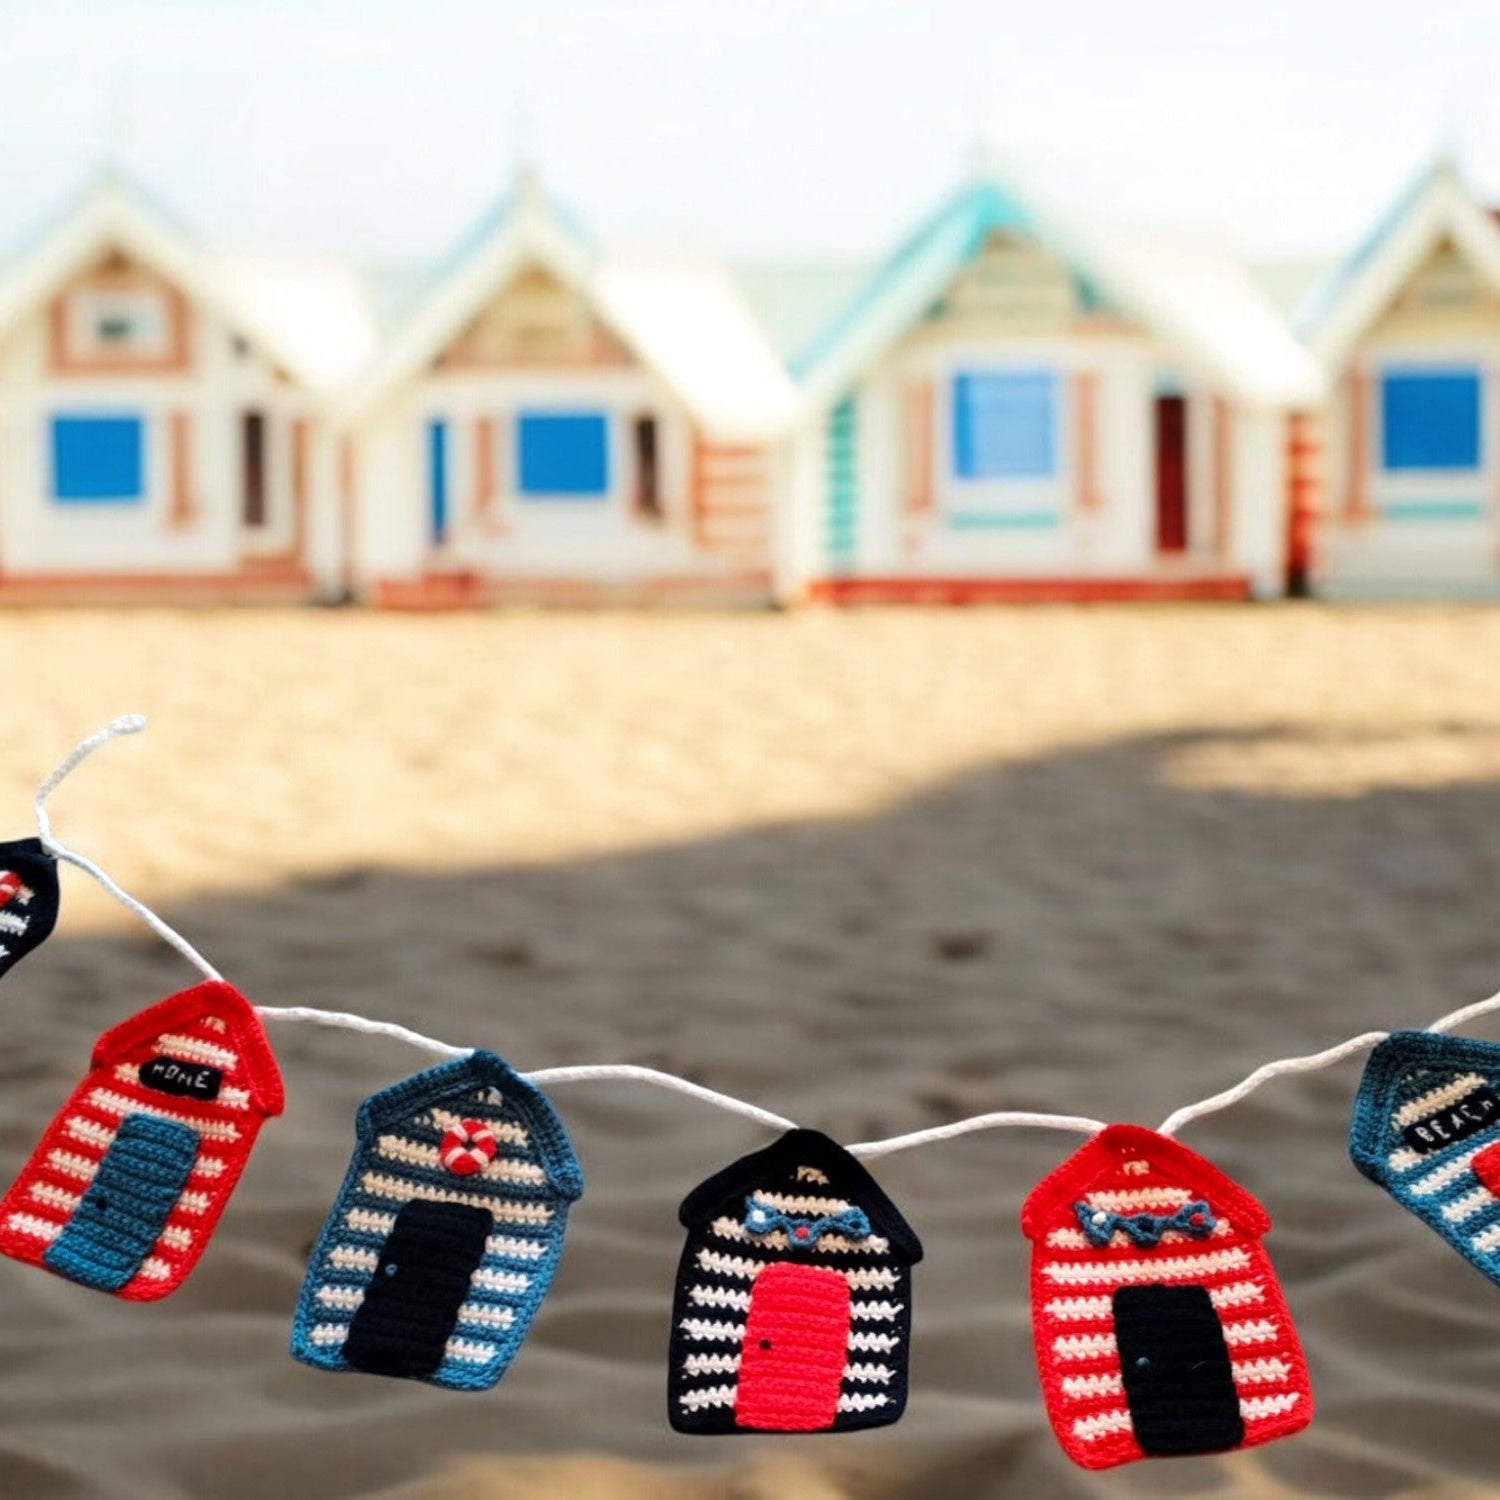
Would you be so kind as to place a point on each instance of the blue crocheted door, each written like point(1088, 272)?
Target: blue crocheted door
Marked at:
point(122, 1214)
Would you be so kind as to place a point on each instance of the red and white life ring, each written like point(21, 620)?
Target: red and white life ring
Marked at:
point(468, 1148)
point(11, 886)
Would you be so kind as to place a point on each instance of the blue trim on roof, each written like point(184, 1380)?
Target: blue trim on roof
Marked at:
point(946, 242)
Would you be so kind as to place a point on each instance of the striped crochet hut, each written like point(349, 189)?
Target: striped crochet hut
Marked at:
point(1427, 1128)
point(127, 1184)
point(1160, 1328)
point(793, 1303)
point(446, 1232)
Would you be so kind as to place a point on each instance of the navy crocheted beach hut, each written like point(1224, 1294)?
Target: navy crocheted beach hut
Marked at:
point(446, 1232)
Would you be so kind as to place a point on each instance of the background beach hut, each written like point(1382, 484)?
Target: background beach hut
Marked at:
point(552, 422)
point(161, 430)
point(1013, 408)
point(793, 1303)
point(1159, 1324)
point(29, 898)
point(1409, 330)
point(1427, 1128)
point(130, 1178)
point(446, 1232)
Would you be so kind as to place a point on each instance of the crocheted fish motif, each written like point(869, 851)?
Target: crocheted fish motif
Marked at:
point(29, 897)
point(446, 1232)
point(793, 1304)
point(1426, 1127)
point(1159, 1325)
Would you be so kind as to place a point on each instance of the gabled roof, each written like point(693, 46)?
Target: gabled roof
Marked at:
point(1435, 207)
point(1103, 1157)
point(684, 320)
point(318, 335)
point(1195, 296)
point(1398, 1055)
point(477, 1070)
point(211, 998)
point(801, 1148)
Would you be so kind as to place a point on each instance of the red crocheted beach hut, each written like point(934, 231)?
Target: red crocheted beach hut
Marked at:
point(1160, 1326)
point(130, 1178)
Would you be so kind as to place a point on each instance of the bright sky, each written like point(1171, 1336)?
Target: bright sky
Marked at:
point(753, 127)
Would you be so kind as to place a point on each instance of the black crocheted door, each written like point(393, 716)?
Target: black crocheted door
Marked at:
point(411, 1305)
point(1178, 1382)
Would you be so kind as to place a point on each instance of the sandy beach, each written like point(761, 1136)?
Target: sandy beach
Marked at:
point(871, 870)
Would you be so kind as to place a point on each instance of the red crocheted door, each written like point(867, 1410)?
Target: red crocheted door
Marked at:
point(796, 1346)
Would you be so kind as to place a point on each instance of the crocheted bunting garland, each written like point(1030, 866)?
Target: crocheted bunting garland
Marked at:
point(29, 897)
point(1427, 1128)
point(446, 1232)
point(1160, 1328)
point(131, 1176)
point(793, 1304)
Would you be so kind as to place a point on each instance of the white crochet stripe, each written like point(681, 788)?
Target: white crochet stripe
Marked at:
point(349, 1258)
point(1083, 1346)
point(228, 1095)
point(1445, 1176)
point(1436, 1099)
point(154, 1268)
point(208, 1166)
point(1136, 1199)
point(862, 1401)
point(1257, 1408)
point(733, 1229)
point(711, 1364)
point(868, 1374)
point(1101, 1424)
point(1261, 1371)
point(470, 1351)
point(1099, 1310)
point(877, 1312)
point(713, 1395)
point(329, 1333)
point(481, 1316)
point(194, 1203)
point(53, 1196)
point(33, 1227)
point(71, 1164)
point(872, 1279)
point(500, 1281)
point(503, 1130)
point(1152, 1269)
point(196, 1050)
point(1469, 1205)
point(401, 1191)
point(1487, 1239)
point(415, 1154)
point(174, 1237)
point(872, 1343)
point(1092, 1387)
point(344, 1298)
point(1403, 1160)
point(106, 1101)
point(809, 1207)
point(707, 1331)
point(729, 1265)
point(713, 1296)
point(1076, 1239)
point(1252, 1331)
point(89, 1132)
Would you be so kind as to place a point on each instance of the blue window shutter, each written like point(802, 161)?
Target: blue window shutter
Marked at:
point(98, 460)
point(1005, 425)
point(1430, 420)
point(437, 481)
point(843, 483)
point(563, 455)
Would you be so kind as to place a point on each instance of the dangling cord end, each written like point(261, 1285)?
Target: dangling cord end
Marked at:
point(125, 724)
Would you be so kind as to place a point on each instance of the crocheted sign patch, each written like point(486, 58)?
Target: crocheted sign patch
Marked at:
point(792, 1311)
point(1427, 1128)
point(29, 899)
point(447, 1230)
point(1160, 1328)
point(131, 1176)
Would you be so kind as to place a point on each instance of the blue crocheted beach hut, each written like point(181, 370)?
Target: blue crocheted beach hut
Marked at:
point(446, 1232)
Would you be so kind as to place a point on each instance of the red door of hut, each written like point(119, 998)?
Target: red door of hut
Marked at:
point(796, 1345)
point(1171, 474)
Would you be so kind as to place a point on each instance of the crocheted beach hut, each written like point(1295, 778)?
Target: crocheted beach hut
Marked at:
point(1159, 1324)
point(447, 1230)
point(127, 1184)
point(793, 1304)
point(1427, 1128)
point(28, 899)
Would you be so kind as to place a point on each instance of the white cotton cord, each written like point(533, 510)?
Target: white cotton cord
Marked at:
point(999, 1120)
point(1466, 1013)
point(125, 724)
point(345, 1021)
point(590, 1072)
